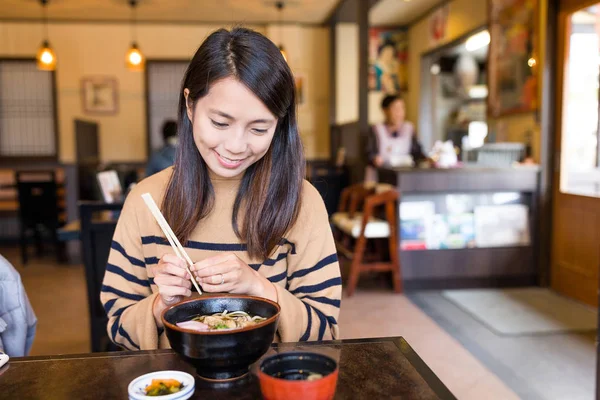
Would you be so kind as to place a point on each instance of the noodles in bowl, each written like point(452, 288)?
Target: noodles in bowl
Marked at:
point(221, 344)
point(223, 321)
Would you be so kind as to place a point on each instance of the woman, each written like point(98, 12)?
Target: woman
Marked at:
point(236, 199)
point(393, 138)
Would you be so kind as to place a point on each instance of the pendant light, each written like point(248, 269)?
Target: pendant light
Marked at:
point(134, 59)
point(279, 5)
point(46, 59)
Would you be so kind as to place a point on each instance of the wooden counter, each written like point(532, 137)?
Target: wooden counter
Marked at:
point(466, 179)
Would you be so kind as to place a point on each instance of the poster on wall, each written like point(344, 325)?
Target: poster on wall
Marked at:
point(388, 57)
point(438, 26)
point(513, 57)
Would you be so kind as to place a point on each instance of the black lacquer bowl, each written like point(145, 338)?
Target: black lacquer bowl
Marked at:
point(221, 355)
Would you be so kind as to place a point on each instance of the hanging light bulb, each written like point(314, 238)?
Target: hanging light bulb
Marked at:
point(134, 59)
point(279, 5)
point(46, 58)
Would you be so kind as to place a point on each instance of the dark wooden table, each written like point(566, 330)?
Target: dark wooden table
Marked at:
point(369, 369)
point(71, 231)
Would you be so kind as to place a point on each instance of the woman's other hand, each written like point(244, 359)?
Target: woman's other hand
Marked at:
point(226, 273)
point(173, 281)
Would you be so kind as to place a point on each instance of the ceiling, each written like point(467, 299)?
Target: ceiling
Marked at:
point(217, 11)
point(399, 12)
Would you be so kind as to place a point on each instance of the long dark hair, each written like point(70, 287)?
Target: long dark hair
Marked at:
point(270, 191)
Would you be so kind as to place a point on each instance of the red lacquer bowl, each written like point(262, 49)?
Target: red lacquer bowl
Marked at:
point(285, 376)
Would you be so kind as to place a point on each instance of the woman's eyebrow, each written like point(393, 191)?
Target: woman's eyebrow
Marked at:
point(262, 121)
point(221, 113)
point(256, 121)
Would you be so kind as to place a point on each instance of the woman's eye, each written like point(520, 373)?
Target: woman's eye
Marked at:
point(218, 124)
point(259, 131)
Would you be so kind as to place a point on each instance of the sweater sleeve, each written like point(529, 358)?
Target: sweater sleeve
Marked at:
point(310, 302)
point(126, 292)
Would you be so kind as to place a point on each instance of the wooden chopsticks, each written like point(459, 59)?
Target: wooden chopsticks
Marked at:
point(164, 225)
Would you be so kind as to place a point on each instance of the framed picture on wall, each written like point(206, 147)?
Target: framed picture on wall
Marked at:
point(513, 57)
point(438, 25)
point(99, 95)
point(388, 57)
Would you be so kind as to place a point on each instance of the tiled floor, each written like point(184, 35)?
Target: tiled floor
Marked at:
point(58, 295)
point(536, 367)
point(376, 313)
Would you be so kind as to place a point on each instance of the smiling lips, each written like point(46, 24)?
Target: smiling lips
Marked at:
point(229, 162)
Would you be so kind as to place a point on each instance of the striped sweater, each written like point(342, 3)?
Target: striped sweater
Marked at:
point(304, 267)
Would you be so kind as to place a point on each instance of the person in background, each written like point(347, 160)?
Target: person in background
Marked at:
point(394, 137)
point(165, 157)
point(17, 319)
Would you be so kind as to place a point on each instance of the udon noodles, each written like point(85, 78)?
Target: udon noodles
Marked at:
point(223, 321)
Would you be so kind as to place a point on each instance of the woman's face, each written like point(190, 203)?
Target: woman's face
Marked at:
point(396, 112)
point(232, 128)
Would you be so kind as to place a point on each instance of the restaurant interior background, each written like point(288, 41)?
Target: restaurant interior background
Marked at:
point(497, 252)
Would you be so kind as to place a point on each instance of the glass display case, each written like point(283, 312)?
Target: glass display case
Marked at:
point(474, 226)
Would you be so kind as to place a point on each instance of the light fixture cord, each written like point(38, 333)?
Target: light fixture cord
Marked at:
point(45, 17)
point(133, 20)
point(279, 6)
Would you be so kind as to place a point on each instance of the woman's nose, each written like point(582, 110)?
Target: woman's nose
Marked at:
point(236, 144)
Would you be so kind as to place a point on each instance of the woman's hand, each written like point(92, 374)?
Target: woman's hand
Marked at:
point(173, 281)
point(226, 273)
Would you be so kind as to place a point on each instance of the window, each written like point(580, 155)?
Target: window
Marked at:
point(580, 172)
point(163, 85)
point(27, 111)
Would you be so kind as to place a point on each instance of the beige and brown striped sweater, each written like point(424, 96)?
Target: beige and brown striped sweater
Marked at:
point(304, 267)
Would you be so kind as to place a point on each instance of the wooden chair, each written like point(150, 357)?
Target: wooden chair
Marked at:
point(96, 239)
point(351, 203)
point(356, 222)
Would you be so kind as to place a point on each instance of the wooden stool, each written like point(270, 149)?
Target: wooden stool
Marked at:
point(350, 224)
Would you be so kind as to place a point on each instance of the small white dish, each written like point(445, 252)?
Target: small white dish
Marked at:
point(137, 387)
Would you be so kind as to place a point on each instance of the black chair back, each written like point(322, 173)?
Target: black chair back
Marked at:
point(329, 181)
point(38, 207)
point(38, 199)
point(96, 237)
